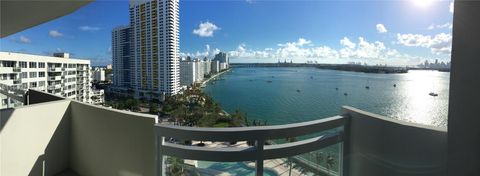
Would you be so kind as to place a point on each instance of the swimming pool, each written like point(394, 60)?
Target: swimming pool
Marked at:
point(234, 168)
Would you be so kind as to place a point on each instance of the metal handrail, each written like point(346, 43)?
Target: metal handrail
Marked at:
point(259, 152)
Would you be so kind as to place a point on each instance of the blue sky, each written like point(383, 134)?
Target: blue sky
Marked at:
point(395, 32)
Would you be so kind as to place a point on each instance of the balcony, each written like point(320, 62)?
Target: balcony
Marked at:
point(10, 69)
point(17, 69)
point(54, 78)
point(55, 69)
point(53, 87)
point(100, 142)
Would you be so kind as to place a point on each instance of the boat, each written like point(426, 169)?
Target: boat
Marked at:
point(345, 94)
point(269, 81)
point(298, 90)
point(394, 85)
point(367, 87)
point(336, 88)
point(433, 94)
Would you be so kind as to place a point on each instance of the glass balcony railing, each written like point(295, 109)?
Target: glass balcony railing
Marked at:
point(258, 145)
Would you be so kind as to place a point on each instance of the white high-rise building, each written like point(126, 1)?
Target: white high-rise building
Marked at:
point(154, 25)
point(215, 66)
point(223, 59)
point(188, 72)
point(59, 75)
point(98, 74)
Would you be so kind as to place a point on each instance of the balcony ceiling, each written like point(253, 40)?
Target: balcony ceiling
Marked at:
point(18, 15)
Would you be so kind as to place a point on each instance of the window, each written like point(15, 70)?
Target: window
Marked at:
point(41, 74)
point(33, 84)
point(41, 83)
point(23, 75)
point(23, 64)
point(33, 74)
point(32, 64)
point(41, 65)
point(24, 86)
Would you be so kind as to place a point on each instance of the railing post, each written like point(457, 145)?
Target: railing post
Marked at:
point(160, 167)
point(259, 144)
point(345, 145)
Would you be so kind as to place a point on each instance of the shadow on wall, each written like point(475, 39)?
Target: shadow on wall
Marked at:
point(56, 156)
point(35, 139)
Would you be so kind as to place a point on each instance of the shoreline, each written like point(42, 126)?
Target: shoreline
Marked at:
point(214, 76)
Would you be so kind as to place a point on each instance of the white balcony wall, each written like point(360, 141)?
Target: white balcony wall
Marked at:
point(111, 142)
point(385, 146)
point(34, 137)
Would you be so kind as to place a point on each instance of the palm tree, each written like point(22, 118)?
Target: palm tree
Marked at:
point(289, 159)
point(330, 162)
point(175, 166)
point(319, 159)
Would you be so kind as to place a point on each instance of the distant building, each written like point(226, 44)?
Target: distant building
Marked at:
point(155, 31)
point(60, 75)
point(222, 58)
point(98, 74)
point(435, 65)
point(188, 72)
point(98, 96)
point(122, 58)
point(109, 66)
point(199, 71)
point(207, 67)
point(215, 66)
point(146, 56)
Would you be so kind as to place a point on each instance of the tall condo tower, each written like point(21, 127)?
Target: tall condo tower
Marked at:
point(121, 57)
point(156, 52)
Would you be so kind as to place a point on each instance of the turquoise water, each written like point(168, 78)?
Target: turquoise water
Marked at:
point(289, 95)
point(233, 168)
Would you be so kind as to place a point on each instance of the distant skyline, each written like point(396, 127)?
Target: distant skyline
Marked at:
point(393, 32)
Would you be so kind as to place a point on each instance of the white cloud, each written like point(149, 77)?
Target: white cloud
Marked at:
point(22, 39)
point(302, 50)
point(440, 26)
point(451, 7)
point(438, 44)
point(347, 43)
point(299, 42)
point(363, 49)
point(54, 33)
point(381, 28)
point(89, 28)
point(206, 29)
point(208, 52)
point(250, 1)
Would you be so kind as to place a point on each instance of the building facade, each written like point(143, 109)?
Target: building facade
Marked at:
point(215, 66)
point(188, 72)
point(154, 28)
point(224, 62)
point(98, 74)
point(57, 75)
point(122, 61)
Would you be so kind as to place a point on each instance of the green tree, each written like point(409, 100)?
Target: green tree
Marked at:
point(153, 108)
point(175, 166)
